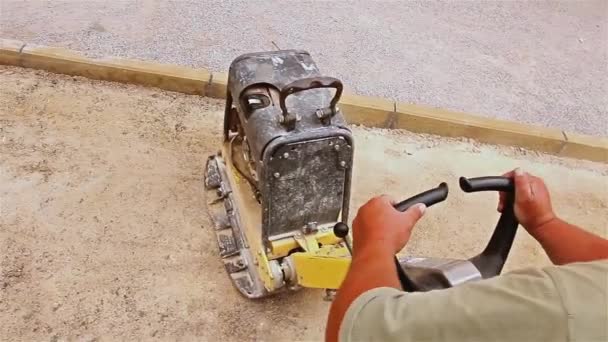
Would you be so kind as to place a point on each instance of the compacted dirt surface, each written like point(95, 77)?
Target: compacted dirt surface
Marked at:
point(104, 233)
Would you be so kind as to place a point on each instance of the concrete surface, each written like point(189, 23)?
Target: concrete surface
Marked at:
point(534, 62)
point(104, 233)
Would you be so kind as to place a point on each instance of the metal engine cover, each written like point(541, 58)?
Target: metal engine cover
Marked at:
point(300, 145)
point(306, 183)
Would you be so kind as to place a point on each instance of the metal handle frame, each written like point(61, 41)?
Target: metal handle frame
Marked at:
point(492, 259)
point(289, 119)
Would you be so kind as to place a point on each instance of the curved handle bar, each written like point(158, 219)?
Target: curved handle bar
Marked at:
point(503, 184)
point(429, 197)
point(491, 261)
point(289, 120)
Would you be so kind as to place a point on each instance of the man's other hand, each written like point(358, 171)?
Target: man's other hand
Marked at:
point(532, 201)
point(379, 225)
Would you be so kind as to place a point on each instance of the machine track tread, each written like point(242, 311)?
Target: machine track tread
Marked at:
point(233, 248)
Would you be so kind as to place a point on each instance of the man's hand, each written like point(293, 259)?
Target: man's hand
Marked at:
point(379, 224)
point(532, 201)
point(563, 242)
point(379, 232)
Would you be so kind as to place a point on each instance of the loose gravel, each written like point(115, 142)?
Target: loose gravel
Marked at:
point(535, 62)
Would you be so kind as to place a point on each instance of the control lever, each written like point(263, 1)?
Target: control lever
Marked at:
point(341, 231)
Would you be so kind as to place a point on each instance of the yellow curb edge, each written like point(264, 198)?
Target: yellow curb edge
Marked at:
point(61, 61)
point(361, 110)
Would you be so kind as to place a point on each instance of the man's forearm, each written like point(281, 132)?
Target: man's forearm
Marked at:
point(370, 268)
point(566, 243)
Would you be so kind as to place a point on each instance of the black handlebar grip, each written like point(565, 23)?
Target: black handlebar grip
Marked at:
point(429, 197)
point(493, 183)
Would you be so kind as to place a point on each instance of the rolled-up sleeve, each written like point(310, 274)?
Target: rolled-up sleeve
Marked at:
point(519, 306)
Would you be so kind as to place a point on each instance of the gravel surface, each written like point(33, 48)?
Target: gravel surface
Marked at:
point(534, 62)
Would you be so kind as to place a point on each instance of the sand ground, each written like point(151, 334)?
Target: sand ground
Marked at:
point(104, 233)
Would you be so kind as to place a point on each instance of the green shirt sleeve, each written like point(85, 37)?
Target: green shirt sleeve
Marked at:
point(566, 303)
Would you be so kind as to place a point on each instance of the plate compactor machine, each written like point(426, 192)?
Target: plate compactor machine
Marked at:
point(279, 189)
